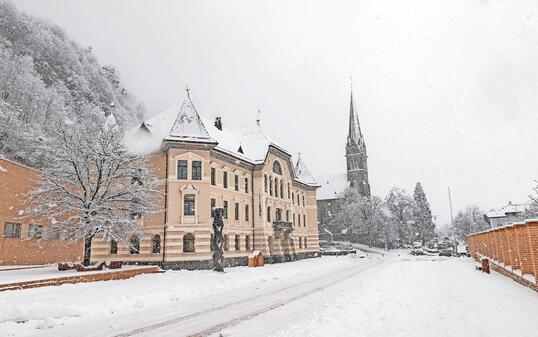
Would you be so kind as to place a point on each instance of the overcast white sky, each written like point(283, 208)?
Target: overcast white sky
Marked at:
point(446, 90)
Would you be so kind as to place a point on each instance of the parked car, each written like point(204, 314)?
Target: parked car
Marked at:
point(418, 251)
point(446, 252)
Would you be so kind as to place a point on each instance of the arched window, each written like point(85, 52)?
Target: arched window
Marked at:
point(156, 244)
point(282, 189)
point(265, 183)
point(277, 168)
point(188, 243)
point(113, 247)
point(276, 187)
point(270, 187)
point(134, 247)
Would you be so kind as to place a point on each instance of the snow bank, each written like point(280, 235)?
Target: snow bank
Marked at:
point(23, 311)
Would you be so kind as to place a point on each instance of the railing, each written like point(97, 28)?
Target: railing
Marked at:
point(283, 226)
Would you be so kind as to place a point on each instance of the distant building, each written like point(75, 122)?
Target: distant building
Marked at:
point(506, 215)
point(269, 203)
point(333, 186)
point(20, 241)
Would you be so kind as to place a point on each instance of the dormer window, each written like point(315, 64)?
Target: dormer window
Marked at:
point(277, 168)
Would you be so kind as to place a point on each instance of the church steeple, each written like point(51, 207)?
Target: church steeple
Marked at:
point(354, 134)
point(357, 167)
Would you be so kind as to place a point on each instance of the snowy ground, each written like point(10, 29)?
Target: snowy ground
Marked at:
point(331, 296)
point(20, 274)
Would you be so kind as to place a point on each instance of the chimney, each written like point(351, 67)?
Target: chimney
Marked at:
point(218, 123)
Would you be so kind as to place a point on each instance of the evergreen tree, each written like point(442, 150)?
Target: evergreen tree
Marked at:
point(422, 225)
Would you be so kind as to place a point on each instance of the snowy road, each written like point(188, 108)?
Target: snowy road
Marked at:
point(331, 296)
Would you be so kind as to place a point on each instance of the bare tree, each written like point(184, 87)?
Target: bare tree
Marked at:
point(93, 186)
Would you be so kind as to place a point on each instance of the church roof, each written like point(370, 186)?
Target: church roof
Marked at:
point(332, 186)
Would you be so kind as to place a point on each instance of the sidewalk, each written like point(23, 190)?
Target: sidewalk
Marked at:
point(50, 275)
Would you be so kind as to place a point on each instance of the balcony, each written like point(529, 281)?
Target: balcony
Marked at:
point(285, 227)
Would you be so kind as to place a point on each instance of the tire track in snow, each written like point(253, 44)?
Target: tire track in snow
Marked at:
point(249, 307)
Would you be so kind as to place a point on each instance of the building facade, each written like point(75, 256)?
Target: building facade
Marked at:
point(269, 203)
point(20, 242)
point(332, 187)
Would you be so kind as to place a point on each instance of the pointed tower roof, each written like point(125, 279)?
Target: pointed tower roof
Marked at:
point(354, 134)
point(303, 174)
point(188, 125)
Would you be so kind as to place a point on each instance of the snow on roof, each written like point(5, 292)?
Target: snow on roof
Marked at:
point(332, 186)
point(303, 174)
point(250, 144)
point(188, 126)
point(508, 209)
point(110, 122)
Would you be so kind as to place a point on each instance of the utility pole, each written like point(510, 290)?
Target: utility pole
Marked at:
point(450, 204)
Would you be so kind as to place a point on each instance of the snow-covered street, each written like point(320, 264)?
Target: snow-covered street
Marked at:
point(331, 296)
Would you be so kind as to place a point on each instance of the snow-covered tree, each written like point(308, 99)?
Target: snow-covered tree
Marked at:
point(92, 186)
point(364, 218)
point(400, 205)
point(532, 210)
point(470, 220)
point(46, 79)
point(422, 224)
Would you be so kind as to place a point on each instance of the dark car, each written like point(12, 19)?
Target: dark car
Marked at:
point(446, 252)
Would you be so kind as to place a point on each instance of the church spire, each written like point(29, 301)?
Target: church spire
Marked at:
point(355, 133)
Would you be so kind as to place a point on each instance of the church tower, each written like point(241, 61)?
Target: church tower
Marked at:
point(357, 167)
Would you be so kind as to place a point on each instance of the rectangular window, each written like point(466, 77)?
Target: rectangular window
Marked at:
point(293, 198)
point(246, 185)
point(236, 213)
point(35, 231)
point(189, 205)
point(225, 179)
point(196, 170)
point(287, 215)
point(303, 201)
point(299, 220)
point(305, 245)
point(278, 214)
point(113, 247)
point(300, 242)
point(213, 176)
point(236, 182)
point(226, 243)
point(182, 169)
point(247, 215)
point(247, 242)
point(293, 219)
point(304, 220)
point(225, 206)
point(12, 230)
point(268, 214)
point(237, 242)
point(213, 205)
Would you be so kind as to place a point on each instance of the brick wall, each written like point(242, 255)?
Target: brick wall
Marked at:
point(15, 182)
point(513, 248)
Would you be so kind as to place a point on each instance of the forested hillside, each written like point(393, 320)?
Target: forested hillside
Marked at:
point(47, 80)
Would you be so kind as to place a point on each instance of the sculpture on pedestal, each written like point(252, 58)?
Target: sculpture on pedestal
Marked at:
point(218, 239)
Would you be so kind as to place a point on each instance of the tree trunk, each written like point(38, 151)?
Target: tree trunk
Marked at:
point(87, 250)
